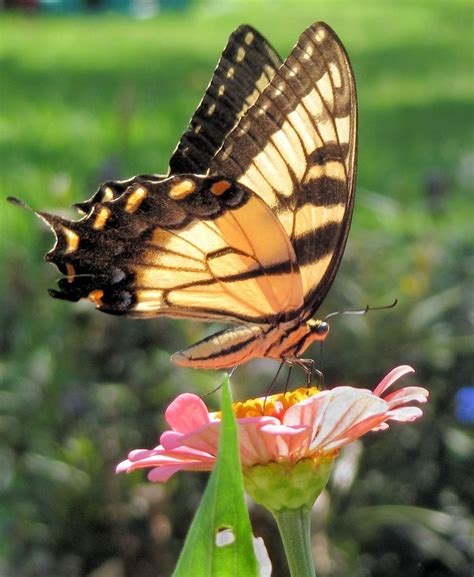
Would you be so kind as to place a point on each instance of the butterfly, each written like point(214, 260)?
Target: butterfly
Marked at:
point(250, 223)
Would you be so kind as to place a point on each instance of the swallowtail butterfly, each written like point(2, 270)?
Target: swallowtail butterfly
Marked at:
point(250, 223)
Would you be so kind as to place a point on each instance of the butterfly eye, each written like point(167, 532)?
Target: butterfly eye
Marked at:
point(322, 329)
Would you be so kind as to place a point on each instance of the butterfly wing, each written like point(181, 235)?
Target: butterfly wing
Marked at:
point(247, 65)
point(186, 246)
point(234, 87)
point(296, 148)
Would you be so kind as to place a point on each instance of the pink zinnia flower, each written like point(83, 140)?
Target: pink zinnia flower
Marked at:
point(286, 428)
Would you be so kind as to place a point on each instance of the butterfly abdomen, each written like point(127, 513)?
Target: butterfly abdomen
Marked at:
point(238, 345)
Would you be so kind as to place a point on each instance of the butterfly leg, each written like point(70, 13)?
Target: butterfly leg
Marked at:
point(287, 383)
point(308, 367)
point(230, 373)
point(274, 380)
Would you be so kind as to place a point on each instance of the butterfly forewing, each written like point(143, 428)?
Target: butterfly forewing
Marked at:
point(247, 65)
point(296, 149)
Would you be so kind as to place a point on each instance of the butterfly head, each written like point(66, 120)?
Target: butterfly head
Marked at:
point(318, 329)
point(311, 331)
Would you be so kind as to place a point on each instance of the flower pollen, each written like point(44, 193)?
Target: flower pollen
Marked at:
point(272, 405)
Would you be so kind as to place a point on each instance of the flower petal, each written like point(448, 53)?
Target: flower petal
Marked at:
point(345, 408)
point(204, 438)
point(391, 377)
point(285, 442)
point(162, 474)
point(186, 413)
point(171, 439)
point(407, 395)
point(372, 423)
point(405, 414)
point(254, 445)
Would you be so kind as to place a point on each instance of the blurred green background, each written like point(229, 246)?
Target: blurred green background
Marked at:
point(88, 97)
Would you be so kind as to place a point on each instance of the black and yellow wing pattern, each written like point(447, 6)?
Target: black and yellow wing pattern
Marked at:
point(249, 225)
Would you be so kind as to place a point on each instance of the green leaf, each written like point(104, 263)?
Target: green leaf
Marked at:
point(222, 508)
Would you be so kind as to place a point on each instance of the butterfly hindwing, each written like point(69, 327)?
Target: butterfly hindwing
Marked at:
point(296, 149)
point(186, 246)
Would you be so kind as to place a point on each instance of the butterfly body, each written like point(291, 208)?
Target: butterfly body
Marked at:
point(234, 346)
point(250, 223)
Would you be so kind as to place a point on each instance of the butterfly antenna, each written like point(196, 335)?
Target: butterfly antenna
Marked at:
point(361, 312)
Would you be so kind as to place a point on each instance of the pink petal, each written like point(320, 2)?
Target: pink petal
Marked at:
point(162, 474)
point(282, 430)
point(123, 467)
point(285, 442)
point(405, 414)
point(186, 413)
point(306, 412)
point(254, 447)
point(352, 433)
point(346, 407)
point(381, 427)
point(170, 439)
point(205, 438)
point(298, 445)
point(138, 454)
point(391, 377)
point(407, 395)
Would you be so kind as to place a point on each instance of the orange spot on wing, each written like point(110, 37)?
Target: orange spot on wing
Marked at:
point(72, 240)
point(135, 199)
point(71, 273)
point(101, 218)
point(96, 297)
point(220, 187)
point(182, 189)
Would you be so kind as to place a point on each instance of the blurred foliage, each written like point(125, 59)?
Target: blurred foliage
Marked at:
point(90, 98)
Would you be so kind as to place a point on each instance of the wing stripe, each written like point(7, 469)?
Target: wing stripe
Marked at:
point(320, 240)
point(293, 81)
point(322, 191)
point(308, 117)
point(280, 131)
point(275, 270)
point(146, 306)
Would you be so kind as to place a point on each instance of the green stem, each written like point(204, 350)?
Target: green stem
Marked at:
point(294, 526)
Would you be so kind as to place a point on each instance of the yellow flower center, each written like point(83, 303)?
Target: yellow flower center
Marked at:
point(273, 405)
